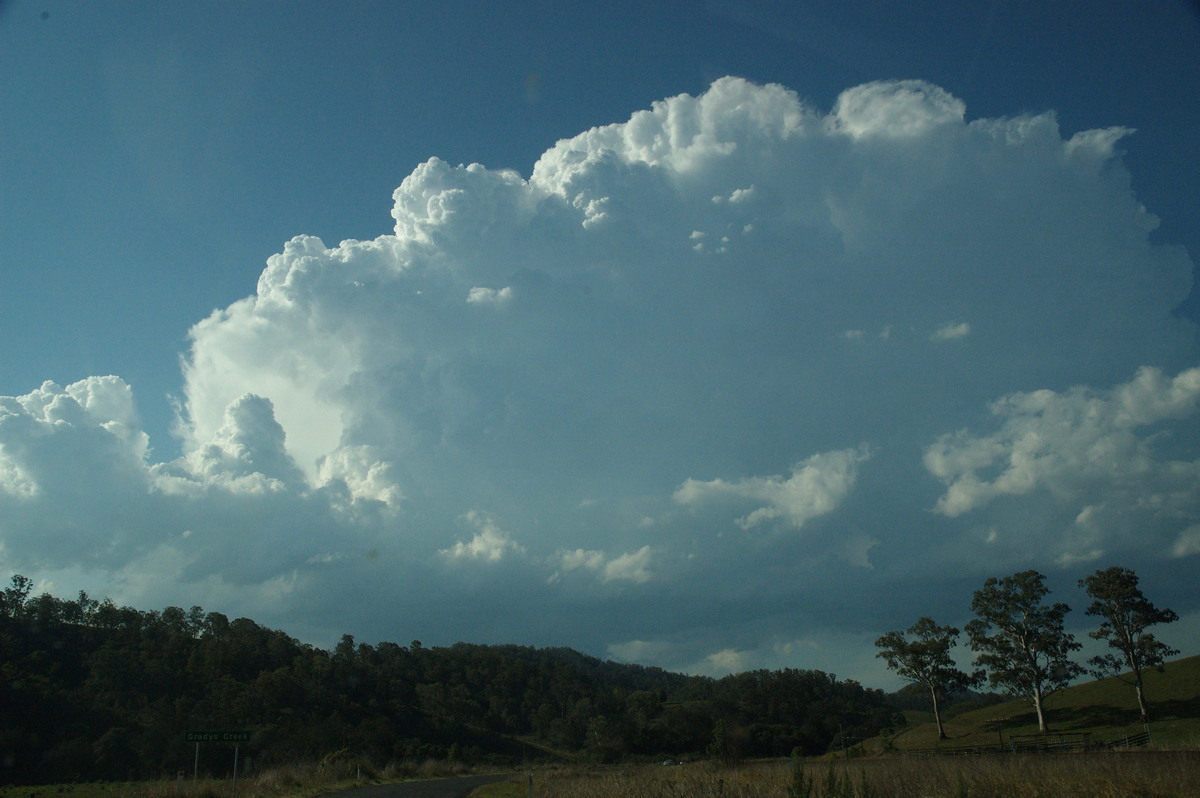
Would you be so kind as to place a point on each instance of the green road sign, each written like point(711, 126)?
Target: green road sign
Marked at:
point(217, 736)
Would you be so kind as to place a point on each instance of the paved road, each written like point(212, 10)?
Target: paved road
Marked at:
point(430, 788)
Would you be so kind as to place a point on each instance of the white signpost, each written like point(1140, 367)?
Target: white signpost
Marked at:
point(235, 737)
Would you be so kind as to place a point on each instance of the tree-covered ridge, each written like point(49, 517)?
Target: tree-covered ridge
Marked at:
point(90, 690)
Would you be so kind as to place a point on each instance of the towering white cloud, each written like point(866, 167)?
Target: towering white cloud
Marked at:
point(71, 471)
point(611, 381)
point(247, 453)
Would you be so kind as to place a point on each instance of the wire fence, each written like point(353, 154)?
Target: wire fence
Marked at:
point(1065, 742)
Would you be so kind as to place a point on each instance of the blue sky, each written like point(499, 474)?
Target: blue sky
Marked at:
point(662, 398)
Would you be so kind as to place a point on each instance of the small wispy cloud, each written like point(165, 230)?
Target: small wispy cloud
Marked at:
point(490, 543)
point(950, 331)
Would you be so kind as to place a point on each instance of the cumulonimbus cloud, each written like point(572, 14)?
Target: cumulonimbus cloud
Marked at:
point(730, 313)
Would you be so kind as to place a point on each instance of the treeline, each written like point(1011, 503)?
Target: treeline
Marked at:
point(90, 690)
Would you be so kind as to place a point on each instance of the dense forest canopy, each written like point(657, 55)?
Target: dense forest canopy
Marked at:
point(90, 690)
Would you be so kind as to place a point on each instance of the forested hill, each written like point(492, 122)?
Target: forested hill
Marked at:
point(90, 690)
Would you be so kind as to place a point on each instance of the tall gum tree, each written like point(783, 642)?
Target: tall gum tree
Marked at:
point(1126, 615)
point(921, 654)
point(1020, 642)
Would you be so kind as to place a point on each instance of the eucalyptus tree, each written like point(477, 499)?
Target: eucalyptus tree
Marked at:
point(921, 654)
point(1019, 641)
point(14, 598)
point(1126, 615)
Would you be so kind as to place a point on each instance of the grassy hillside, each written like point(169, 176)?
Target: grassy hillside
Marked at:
point(1106, 708)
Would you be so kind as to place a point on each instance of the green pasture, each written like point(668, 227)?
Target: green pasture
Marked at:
point(1106, 708)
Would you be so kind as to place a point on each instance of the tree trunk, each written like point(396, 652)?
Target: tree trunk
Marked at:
point(937, 713)
point(1041, 713)
point(1141, 699)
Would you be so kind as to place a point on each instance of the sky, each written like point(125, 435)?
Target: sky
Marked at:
point(712, 336)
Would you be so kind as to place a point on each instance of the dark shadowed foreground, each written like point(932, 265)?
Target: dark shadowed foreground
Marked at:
point(1148, 774)
point(429, 788)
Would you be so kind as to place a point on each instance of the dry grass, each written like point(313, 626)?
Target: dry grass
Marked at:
point(516, 788)
point(298, 780)
point(1145, 774)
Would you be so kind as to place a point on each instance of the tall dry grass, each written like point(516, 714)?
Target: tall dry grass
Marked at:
point(294, 780)
point(1144, 774)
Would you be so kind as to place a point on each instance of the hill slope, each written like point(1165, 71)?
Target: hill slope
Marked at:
point(1106, 708)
